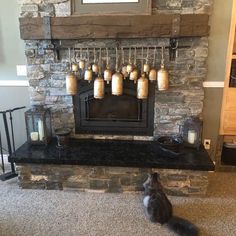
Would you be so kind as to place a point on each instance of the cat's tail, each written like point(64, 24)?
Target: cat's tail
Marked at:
point(182, 227)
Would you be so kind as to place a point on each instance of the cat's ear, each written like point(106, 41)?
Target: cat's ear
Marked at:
point(147, 181)
point(155, 175)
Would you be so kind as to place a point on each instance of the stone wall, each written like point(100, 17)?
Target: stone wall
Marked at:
point(109, 179)
point(182, 6)
point(41, 8)
point(184, 98)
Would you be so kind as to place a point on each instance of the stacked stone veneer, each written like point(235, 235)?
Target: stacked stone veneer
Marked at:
point(109, 179)
point(41, 8)
point(184, 98)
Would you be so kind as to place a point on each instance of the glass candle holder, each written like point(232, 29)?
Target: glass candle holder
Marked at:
point(192, 132)
point(38, 125)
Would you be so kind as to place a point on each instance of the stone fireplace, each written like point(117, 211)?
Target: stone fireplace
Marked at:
point(47, 71)
point(162, 114)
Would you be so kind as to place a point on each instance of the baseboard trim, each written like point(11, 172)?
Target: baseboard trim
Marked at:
point(213, 84)
point(14, 83)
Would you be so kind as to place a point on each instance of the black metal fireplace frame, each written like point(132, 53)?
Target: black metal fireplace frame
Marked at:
point(143, 125)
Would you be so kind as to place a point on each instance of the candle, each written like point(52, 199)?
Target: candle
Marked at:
point(41, 130)
point(34, 136)
point(192, 135)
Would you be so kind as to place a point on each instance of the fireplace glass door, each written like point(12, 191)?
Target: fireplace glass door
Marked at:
point(124, 114)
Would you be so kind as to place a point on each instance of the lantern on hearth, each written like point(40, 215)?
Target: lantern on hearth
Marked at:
point(192, 132)
point(38, 125)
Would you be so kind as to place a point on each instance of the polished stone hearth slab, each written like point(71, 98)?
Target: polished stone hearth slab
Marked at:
point(120, 153)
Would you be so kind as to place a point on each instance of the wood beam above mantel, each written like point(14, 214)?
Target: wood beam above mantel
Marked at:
point(161, 25)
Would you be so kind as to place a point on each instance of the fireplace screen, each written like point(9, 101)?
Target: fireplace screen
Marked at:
point(126, 108)
point(123, 115)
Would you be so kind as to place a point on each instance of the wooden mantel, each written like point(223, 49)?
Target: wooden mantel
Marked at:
point(161, 25)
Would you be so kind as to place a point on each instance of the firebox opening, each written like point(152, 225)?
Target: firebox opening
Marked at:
point(121, 115)
point(127, 108)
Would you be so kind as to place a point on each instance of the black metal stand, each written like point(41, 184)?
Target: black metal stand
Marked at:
point(12, 173)
point(1, 152)
point(9, 175)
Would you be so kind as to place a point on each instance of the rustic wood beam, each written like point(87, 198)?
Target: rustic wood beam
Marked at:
point(161, 25)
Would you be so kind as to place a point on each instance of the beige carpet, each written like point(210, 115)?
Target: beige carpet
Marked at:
point(45, 213)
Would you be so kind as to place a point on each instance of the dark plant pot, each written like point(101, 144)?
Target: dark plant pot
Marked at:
point(171, 143)
point(63, 137)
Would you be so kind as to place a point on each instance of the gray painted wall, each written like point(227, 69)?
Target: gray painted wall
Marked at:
point(218, 42)
point(12, 54)
point(11, 47)
point(218, 39)
point(11, 97)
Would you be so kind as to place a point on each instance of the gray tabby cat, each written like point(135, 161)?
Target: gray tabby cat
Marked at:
point(159, 209)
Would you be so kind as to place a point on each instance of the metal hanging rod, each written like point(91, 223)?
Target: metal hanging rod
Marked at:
point(120, 48)
point(173, 47)
point(173, 44)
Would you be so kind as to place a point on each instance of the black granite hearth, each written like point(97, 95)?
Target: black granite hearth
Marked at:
point(143, 154)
